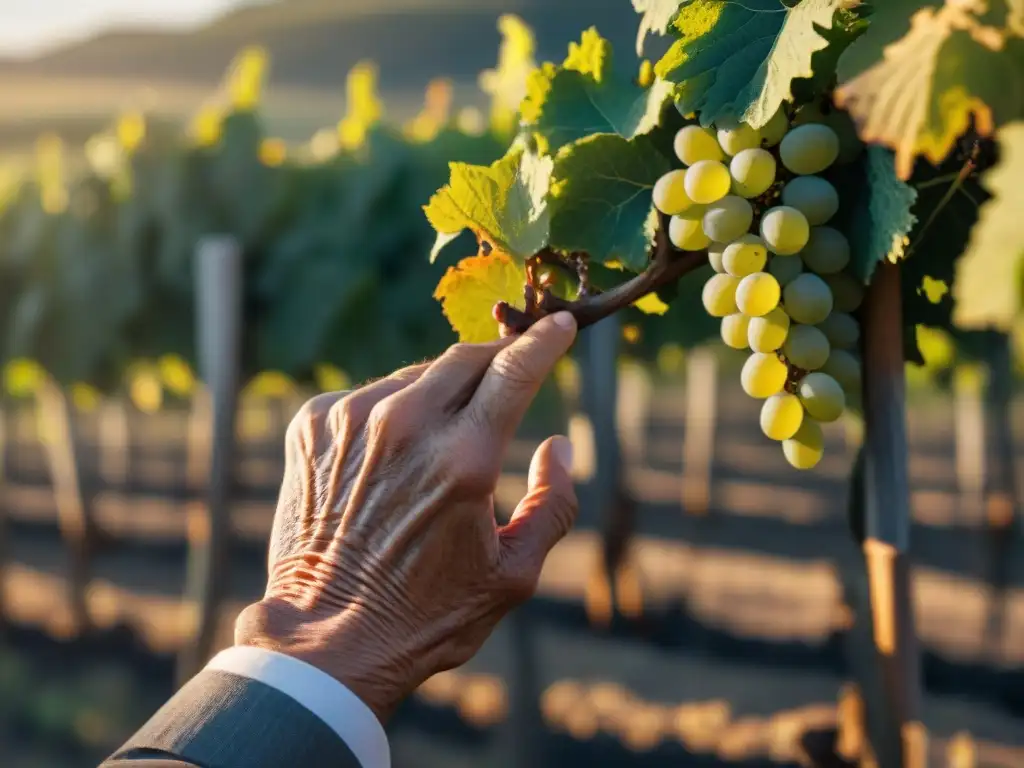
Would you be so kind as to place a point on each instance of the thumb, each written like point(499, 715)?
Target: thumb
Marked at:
point(546, 513)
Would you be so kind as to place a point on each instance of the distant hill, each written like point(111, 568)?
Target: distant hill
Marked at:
point(313, 43)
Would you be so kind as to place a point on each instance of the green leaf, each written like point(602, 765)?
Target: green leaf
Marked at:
point(740, 59)
point(882, 218)
point(989, 287)
point(602, 198)
point(656, 16)
point(504, 204)
point(586, 96)
point(916, 79)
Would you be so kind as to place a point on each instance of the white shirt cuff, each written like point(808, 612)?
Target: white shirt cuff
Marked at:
point(321, 694)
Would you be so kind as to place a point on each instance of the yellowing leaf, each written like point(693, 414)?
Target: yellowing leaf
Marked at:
point(506, 83)
point(245, 83)
point(651, 305)
point(363, 105)
point(176, 375)
point(436, 112)
point(469, 290)
point(23, 378)
point(131, 131)
point(273, 152)
point(269, 384)
point(590, 56)
point(330, 378)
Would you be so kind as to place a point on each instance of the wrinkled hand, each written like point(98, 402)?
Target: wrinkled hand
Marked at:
point(386, 563)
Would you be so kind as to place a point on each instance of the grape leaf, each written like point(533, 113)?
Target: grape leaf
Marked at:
point(656, 15)
point(651, 304)
point(881, 219)
point(504, 204)
point(916, 78)
point(989, 288)
point(740, 59)
point(601, 198)
point(586, 95)
point(469, 290)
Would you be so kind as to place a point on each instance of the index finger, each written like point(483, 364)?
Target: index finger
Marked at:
point(514, 376)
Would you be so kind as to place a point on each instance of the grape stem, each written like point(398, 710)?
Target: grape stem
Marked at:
point(665, 266)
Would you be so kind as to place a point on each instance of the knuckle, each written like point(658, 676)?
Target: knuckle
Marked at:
point(390, 419)
point(311, 413)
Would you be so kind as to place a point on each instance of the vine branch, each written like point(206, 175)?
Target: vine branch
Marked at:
point(665, 266)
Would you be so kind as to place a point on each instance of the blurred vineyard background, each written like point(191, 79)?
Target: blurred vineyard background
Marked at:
point(707, 611)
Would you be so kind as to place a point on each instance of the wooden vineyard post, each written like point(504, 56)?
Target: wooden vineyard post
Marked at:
point(613, 583)
point(969, 431)
point(902, 741)
point(699, 435)
point(114, 443)
point(218, 289)
point(74, 505)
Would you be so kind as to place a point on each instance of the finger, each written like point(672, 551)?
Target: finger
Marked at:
point(546, 513)
point(349, 413)
point(516, 373)
point(450, 381)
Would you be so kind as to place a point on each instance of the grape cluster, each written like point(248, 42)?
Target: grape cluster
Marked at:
point(779, 284)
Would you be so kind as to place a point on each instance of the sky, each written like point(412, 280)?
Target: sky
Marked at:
point(30, 26)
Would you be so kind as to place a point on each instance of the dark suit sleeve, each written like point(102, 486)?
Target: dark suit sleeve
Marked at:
point(222, 720)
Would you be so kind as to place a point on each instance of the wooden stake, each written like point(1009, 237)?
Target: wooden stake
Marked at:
point(219, 327)
point(699, 435)
point(901, 744)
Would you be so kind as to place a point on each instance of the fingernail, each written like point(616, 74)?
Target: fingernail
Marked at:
point(565, 320)
point(561, 449)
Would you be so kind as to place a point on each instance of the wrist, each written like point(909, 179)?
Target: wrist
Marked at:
point(351, 653)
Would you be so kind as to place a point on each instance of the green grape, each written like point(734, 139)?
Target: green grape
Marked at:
point(827, 251)
point(807, 298)
point(687, 234)
point(715, 251)
point(850, 145)
point(822, 396)
point(841, 330)
point(806, 347)
point(763, 375)
point(785, 268)
point(745, 256)
point(785, 230)
point(847, 290)
point(753, 171)
point(758, 294)
point(768, 332)
point(805, 449)
point(809, 148)
point(728, 218)
point(694, 213)
point(775, 129)
point(707, 181)
point(814, 197)
point(693, 144)
point(734, 330)
point(734, 137)
point(781, 416)
point(670, 193)
point(844, 368)
point(719, 295)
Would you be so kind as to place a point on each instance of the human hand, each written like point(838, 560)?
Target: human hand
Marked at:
point(386, 563)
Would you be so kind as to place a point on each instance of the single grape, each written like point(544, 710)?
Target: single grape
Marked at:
point(784, 230)
point(753, 171)
point(844, 368)
point(687, 234)
point(745, 256)
point(693, 144)
point(715, 251)
point(808, 299)
point(785, 268)
point(670, 193)
point(768, 332)
point(734, 137)
point(822, 396)
point(775, 129)
point(841, 330)
point(758, 294)
point(728, 218)
point(719, 295)
point(781, 416)
point(707, 181)
point(806, 347)
point(763, 375)
point(850, 145)
point(809, 148)
point(734, 330)
point(814, 197)
point(847, 291)
point(827, 251)
point(805, 449)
